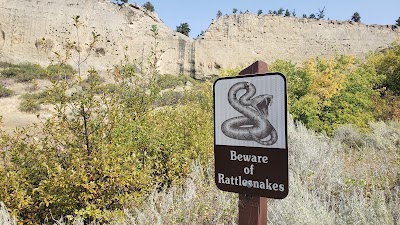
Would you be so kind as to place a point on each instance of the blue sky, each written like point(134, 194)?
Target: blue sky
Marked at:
point(199, 14)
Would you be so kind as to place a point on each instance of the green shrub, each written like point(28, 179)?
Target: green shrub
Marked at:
point(101, 153)
point(93, 80)
point(39, 97)
point(168, 81)
point(171, 81)
point(326, 93)
point(108, 88)
point(59, 72)
point(29, 105)
point(329, 183)
point(31, 102)
point(27, 72)
point(298, 80)
point(229, 72)
point(24, 72)
point(169, 97)
point(5, 92)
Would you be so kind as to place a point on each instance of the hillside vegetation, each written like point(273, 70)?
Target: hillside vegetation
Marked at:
point(131, 151)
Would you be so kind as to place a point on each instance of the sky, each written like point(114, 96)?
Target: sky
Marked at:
point(199, 14)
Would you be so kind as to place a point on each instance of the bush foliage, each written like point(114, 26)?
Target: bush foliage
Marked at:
point(5, 92)
point(100, 153)
point(26, 72)
point(327, 93)
point(333, 180)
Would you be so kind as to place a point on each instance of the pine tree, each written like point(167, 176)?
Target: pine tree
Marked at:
point(219, 14)
point(183, 29)
point(398, 22)
point(287, 13)
point(356, 17)
point(149, 6)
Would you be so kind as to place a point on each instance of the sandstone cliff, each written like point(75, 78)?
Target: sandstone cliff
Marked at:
point(244, 38)
point(124, 30)
point(232, 40)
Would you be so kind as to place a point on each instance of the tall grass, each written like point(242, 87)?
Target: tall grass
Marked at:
point(351, 178)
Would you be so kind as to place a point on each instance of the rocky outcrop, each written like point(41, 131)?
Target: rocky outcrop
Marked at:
point(32, 30)
point(241, 39)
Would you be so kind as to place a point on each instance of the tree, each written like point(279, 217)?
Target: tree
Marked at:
point(321, 13)
point(234, 10)
point(356, 17)
point(280, 12)
point(149, 6)
point(388, 64)
point(312, 16)
point(304, 15)
point(287, 13)
point(184, 29)
point(219, 14)
point(201, 33)
point(259, 12)
point(398, 22)
point(294, 13)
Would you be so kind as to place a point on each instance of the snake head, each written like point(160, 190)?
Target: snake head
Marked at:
point(261, 103)
point(247, 85)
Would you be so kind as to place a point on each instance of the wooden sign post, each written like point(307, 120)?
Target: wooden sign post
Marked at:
point(253, 209)
point(250, 139)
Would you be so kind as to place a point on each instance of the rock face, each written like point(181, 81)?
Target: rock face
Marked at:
point(33, 30)
point(244, 38)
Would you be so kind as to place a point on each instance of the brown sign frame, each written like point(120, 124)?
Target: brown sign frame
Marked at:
point(257, 169)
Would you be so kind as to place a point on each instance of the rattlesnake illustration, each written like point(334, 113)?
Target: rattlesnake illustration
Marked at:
point(253, 125)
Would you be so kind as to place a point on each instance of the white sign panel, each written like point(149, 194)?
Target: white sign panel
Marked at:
point(252, 111)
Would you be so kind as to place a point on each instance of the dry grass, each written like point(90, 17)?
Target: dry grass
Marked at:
point(198, 202)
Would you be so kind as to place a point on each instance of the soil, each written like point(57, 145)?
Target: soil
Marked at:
point(12, 117)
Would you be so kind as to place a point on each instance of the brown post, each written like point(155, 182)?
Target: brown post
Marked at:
point(253, 209)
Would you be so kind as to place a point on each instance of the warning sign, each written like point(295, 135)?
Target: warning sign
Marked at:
point(250, 128)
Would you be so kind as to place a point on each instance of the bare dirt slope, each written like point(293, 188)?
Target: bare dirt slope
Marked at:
point(12, 116)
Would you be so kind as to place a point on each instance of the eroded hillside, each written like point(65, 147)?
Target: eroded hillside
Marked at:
point(231, 40)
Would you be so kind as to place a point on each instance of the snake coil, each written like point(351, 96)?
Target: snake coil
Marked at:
point(254, 124)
